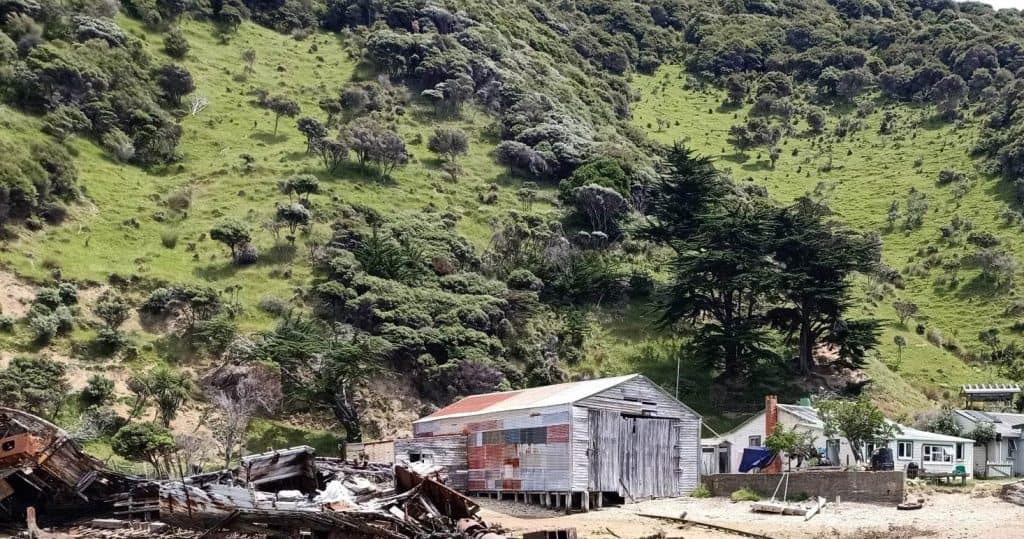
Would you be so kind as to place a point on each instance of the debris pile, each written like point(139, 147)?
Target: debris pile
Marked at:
point(1013, 492)
point(286, 493)
point(354, 501)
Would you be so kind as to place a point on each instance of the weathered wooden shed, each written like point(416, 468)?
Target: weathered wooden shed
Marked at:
point(621, 437)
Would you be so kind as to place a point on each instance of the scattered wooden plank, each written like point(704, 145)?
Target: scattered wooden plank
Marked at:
point(816, 509)
point(708, 525)
point(778, 508)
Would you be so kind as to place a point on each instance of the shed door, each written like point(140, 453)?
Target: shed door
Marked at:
point(605, 429)
point(647, 458)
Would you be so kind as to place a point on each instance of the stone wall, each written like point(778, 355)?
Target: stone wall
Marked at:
point(872, 487)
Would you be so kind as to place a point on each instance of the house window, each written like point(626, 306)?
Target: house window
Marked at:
point(415, 457)
point(936, 453)
point(869, 449)
point(959, 452)
point(754, 441)
point(1011, 448)
point(905, 450)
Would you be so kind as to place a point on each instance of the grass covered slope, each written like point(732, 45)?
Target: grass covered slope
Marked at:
point(129, 225)
point(860, 176)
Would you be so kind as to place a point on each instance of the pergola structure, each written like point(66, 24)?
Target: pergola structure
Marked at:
point(989, 393)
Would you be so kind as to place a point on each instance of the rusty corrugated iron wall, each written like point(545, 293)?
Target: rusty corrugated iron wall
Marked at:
point(525, 453)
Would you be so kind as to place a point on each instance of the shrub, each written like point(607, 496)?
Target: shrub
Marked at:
point(982, 239)
point(934, 336)
point(108, 341)
point(273, 305)
point(119, 145)
point(702, 491)
point(947, 177)
point(247, 255)
point(169, 238)
point(43, 328)
point(919, 329)
point(98, 390)
point(65, 121)
point(103, 420)
point(6, 324)
point(175, 44)
point(522, 279)
point(744, 495)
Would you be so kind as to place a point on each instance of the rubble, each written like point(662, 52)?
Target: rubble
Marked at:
point(285, 493)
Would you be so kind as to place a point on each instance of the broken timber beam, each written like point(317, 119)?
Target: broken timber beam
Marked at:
point(718, 527)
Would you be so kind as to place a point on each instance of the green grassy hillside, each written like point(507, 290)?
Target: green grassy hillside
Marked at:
point(869, 171)
point(103, 238)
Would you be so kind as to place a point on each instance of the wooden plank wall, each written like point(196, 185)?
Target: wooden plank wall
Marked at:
point(641, 397)
point(447, 451)
point(604, 443)
point(581, 435)
point(645, 447)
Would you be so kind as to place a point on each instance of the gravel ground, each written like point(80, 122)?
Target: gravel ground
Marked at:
point(955, 514)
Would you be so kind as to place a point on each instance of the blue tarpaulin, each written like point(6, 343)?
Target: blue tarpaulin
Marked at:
point(756, 458)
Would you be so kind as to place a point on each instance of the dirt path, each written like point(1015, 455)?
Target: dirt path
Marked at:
point(961, 515)
point(15, 295)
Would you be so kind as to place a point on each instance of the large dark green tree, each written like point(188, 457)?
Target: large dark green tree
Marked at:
point(722, 276)
point(816, 259)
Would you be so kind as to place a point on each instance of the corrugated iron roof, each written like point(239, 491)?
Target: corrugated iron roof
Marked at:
point(908, 433)
point(536, 397)
point(1003, 423)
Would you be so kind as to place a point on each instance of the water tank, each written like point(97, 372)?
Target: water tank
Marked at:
point(882, 459)
point(912, 470)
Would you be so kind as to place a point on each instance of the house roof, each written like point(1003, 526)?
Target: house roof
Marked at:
point(909, 433)
point(535, 397)
point(805, 414)
point(808, 416)
point(1003, 423)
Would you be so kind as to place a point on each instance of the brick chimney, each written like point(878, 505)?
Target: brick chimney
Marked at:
point(771, 418)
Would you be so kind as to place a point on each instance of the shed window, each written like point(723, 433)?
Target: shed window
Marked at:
point(754, 441)
point(905, 450)
point(415, 457)
point(936, 453)
point(1011, 448)
point(959, 452)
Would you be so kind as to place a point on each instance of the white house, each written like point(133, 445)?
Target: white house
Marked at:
point(932, 452)
point(1001, 457)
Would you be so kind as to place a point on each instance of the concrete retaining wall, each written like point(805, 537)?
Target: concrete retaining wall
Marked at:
point(872, 487)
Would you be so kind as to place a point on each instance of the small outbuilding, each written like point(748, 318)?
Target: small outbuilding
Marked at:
point(574, 444)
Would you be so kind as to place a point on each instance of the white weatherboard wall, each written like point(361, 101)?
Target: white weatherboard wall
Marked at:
point(739, 439)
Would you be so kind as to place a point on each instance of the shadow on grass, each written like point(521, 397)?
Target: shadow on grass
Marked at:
point(269, 138)
point(351, 171)
point(737, 157)
point(980, 287)
point(279, 254)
